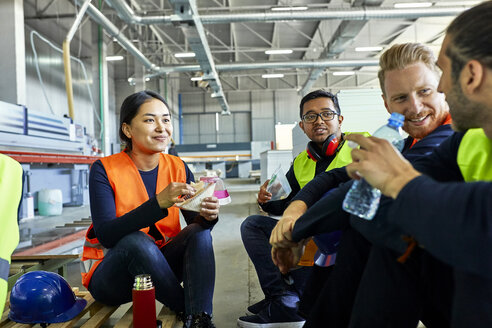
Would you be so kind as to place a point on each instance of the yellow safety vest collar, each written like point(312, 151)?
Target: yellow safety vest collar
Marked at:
point(475, 156)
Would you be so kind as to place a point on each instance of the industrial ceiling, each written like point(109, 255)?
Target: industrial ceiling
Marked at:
point(230, 38)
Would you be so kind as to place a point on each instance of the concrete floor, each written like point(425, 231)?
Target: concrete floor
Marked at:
point(236, 284)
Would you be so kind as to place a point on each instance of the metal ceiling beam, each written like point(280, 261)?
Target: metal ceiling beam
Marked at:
point(345, 33)
point(229, 84)
point(306, 64)
point(257, 83)
point(41, 12)
point(258, 35)
point(275, 36)
point(192, 27)
point(197, 39)
point(310, 38)
point(154, 29)
point(361, 13)
point(115, 32)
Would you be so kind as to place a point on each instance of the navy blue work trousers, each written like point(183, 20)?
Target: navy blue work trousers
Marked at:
point(187, 258)
point(255, 232)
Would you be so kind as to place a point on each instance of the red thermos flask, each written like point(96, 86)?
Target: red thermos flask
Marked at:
point(144, 315)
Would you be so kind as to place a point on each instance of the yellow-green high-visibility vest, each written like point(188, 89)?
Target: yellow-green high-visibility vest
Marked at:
point(475, 156)
point(10, 191)
point(305, 168)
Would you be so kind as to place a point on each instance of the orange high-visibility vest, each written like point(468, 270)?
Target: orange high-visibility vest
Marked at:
point(129, 193)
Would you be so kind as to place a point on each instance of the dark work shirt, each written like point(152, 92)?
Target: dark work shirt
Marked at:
point(451, 220)
point(327, 214)
point(278, 207)
point(321, 184)
point(109, 229)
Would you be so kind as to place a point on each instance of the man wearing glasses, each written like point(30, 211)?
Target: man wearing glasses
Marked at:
point(321, 121)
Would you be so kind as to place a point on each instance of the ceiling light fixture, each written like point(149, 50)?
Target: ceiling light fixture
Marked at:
point(287, 8)
point(413, 4)
point(272, 76)
point(196, 78)
point(453, 3)
point(278, 51)
point(114, 58)
point(360, 49)
point(341, 73)
point(184, 54)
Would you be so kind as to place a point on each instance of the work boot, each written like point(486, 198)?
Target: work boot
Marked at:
point(257, 307)
point(281, 312)
point(202, 320)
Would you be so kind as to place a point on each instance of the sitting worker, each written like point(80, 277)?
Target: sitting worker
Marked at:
point(171, 148)
point(321, 121)
point(11, 191)
point(135, 227)
point(409, 78)
point(450, 220)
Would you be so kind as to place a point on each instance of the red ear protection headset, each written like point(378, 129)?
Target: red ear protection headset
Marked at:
point(329, 148)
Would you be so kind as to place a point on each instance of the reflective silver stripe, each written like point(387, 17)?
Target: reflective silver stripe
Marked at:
point(4, 269)
point(96, 246)
point(86, 265)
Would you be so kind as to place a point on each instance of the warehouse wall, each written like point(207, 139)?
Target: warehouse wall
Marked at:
point(50, 63)
point(255, 113)
point(363, 110)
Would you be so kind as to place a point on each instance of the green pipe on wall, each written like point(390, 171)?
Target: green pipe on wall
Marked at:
point(101, 94)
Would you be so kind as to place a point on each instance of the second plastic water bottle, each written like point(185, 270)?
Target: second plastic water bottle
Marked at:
point(362, 199)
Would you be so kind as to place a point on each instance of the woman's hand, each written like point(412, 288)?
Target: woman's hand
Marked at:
point(210, 208)
point(171, 193)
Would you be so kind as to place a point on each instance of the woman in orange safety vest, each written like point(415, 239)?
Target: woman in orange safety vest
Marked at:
point(135, 227)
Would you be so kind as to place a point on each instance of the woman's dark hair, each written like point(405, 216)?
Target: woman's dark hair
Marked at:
point(319, 94)
point(469, 35)
point(129, 109)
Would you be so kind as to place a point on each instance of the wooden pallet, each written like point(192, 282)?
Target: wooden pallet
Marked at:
point(84, 222)
point(94, 315)
point(26, 263)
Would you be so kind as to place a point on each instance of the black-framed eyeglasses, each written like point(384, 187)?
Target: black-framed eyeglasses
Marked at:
point(325, 116)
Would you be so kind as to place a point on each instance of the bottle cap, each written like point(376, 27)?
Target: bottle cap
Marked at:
point(396, 119)
point(143, 282)
point(220, 190)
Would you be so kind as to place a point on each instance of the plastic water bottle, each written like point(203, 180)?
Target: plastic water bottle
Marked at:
point(362, 199)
